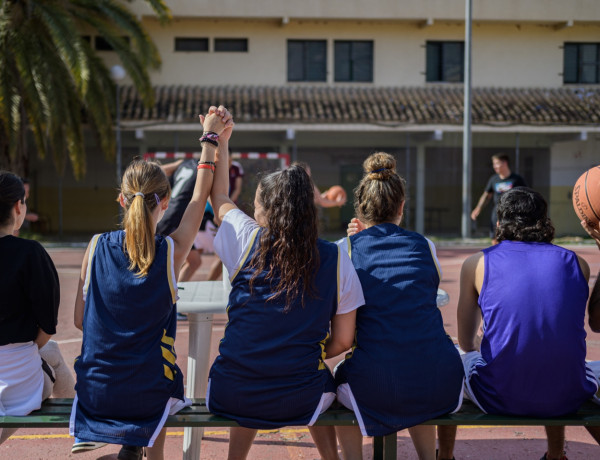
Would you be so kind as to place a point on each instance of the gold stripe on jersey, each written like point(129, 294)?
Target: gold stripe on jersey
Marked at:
point(166, 339)
point(322, 365)
point(243, 261)
point(168, 372)
point(168, 355)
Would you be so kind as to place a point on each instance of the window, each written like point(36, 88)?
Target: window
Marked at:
point(581, 63)
point(353, 61)
point(307, 60)
point(103, 45)
point(191, 44)
point(445, 61)
point(231, 44)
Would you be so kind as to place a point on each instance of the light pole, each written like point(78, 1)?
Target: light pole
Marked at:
point(117, 73)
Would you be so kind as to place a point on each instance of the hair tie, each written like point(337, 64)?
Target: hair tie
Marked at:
point(157, 199)
point(139, 194)
point(378, 170)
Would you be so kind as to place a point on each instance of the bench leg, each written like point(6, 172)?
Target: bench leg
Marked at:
point(385, 447)
point(197, 376)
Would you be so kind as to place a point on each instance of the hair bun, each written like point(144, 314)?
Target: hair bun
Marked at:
point(380, 165)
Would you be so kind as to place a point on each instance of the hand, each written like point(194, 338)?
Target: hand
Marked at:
point(341, 201)
point(216, 120)
point(594, 232)
point(475, 213)
point(355, 226)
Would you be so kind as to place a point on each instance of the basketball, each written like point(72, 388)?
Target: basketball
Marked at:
point(586, 196)
point(336, 193)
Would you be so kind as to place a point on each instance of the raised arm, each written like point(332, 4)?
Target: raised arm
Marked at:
point(219, 196)
point(468, 312)
point(215, 121)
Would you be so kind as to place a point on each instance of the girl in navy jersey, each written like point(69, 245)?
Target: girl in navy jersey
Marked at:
point(128, 381)
point(287, 287)
point(403, 369)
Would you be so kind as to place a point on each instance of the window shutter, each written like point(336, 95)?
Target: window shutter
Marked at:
point(433, 59)
point(570, 63)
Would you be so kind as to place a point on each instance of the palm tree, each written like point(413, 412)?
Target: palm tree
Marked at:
point(53, 83)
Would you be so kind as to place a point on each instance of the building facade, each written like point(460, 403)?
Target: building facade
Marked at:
point(330, 81)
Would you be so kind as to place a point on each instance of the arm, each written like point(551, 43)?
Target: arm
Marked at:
point(216, 120)
point(468, 312)
point(42, 338)
point(237, 189)
point(342, 334)
point(594, 302)
point(483, 200)
point(170, 168)
point(322, 200)
point(219, 196)
point(355, 226)
point(79, 302)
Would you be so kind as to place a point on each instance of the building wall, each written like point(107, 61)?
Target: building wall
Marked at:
point(504, 54)
point(569, 160)
point(485, 10)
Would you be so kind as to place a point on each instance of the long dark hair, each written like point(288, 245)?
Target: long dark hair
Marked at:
point(287, 248)
point(523, 216)
point(11, 191)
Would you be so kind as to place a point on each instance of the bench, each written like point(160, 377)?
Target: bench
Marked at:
point(55, 413)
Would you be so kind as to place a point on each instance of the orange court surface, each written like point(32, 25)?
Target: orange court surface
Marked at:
point(489, 443)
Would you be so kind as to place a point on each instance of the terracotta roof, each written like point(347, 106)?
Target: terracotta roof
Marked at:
point(404, 105)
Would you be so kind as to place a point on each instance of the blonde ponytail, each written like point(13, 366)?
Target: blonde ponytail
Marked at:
point(144, 186)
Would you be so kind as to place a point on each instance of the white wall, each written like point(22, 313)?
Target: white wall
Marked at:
point(504, 55)
point(489, 10)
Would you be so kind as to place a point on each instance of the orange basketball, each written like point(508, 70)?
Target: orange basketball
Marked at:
point(336, 193)
point(586, 196)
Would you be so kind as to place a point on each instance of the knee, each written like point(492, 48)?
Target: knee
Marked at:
point(51, 353)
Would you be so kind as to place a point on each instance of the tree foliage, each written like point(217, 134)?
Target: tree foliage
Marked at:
point(53, 83)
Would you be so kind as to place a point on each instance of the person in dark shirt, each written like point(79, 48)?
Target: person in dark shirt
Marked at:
point(503, 181)
point(31, 366)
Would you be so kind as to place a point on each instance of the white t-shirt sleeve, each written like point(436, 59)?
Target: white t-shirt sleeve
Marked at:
point(351, 294)
point(434, 255)
point(233, 237)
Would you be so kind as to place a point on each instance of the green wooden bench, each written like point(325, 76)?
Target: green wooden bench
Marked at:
point(55, 413)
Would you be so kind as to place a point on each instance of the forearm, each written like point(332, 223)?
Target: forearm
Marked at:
point(594, 307)
point(482, 201)
point(219, 195)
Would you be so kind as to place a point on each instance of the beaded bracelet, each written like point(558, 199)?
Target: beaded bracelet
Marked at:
point(210, 141)
point(207, 163)
point(203, 166)
point(211, 135)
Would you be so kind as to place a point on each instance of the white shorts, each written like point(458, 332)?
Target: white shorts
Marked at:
point(204, 239)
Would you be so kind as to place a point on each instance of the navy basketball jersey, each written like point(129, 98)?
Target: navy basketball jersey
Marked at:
point(270, 370)
point(126, 373)
point(403, 368)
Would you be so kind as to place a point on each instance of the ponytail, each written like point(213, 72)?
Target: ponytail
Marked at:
point(144, 186)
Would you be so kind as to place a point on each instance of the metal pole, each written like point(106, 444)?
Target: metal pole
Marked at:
point(517, 152)
point(466, 176)
point(407, 215)
point(118, 135)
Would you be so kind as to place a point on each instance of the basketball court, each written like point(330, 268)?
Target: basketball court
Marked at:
point(491, 443)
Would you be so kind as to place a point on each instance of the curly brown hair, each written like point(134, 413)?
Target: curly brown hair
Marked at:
point(287, 248)
point(381, 191)
point(523, 216)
